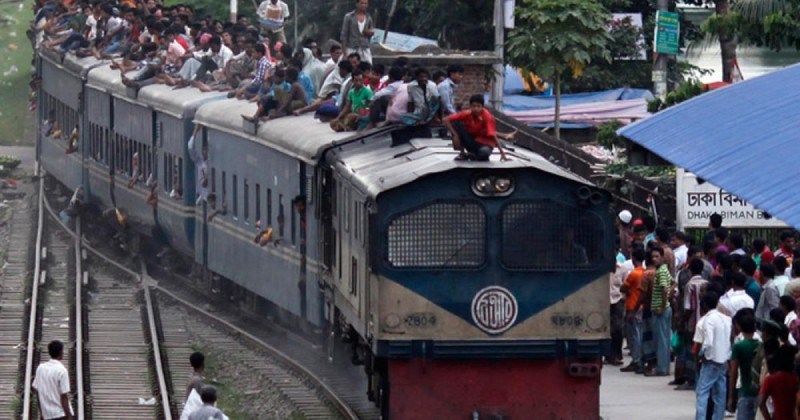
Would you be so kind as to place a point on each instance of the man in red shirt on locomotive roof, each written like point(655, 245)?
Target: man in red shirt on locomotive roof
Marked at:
point(474, 132)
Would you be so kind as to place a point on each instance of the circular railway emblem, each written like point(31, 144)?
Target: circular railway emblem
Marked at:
point(494, 309)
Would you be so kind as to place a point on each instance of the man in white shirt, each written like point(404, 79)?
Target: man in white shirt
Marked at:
point(781, 279)
point(715, 346)
point(770, 295)
point(737, 298)
point(273, 14)
point(681, 251)
point(52, 384)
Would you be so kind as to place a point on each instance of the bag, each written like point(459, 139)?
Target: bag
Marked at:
point(676, 342)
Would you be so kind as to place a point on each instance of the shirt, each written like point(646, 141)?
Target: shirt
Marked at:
point(743, 352)
point(359, 98)
point(389, 90)
point(423, 100)
point(734, 300)
point(753, 290)
point(307, 84)
point(792, 288)
point(691, 297)
point(482, 127)
point(262, 67)
point(352, 36)
point(681, 255)
point(446, 89)
point(634, 286)
point(272, 16)
point(716, 334)
point(207, 412)
point(618, 277)
point(662, 284)
point(769, 299)
point(51, 382)
point(399, 104)
point(780, 283)
point(782, 387)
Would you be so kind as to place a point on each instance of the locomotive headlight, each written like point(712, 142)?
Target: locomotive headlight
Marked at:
point(483, 185)
point(502, 185)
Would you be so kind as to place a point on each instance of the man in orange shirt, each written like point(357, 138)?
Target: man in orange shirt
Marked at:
point(474, 132)
point(633, 310)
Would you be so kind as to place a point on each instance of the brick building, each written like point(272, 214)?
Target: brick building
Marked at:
point(477, 66)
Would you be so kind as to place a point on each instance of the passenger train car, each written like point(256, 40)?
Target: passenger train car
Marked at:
point(464, 288)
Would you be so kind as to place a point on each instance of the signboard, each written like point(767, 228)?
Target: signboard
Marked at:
point(398, 42)
point(668, 33)
point(698, 201)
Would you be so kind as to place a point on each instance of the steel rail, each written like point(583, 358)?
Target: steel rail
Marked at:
point(31, 344)
point(341, 407)
point(159, 366)
point(79, 384)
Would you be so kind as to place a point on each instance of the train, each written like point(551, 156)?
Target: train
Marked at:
point(465, 289)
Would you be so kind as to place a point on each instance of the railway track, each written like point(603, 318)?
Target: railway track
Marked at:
point(113, 347)
point(107, 324)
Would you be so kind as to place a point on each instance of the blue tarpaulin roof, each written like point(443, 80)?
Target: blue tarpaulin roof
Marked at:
point(744, 138)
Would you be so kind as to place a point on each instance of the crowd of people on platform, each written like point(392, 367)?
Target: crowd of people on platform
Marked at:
point(150, 43)
point(726, 313)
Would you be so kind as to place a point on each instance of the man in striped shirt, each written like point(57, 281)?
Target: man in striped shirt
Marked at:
point(263, 67)
point(662, 312)
point(52, 385)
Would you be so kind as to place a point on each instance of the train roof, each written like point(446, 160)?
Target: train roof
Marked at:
point(106, 79)
point(302, 137)
point(78, 66)
point(374, 166)
point(180, 103)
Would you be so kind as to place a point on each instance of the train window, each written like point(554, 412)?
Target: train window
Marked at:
point(334, 200)
point(224, 186)
point(179, 178)
point(446, 234)
point(213, 180)
point(258, 202)
point(281, 219)
point(269, 206)
point(293, 212)
point(354, 277)
point(547, 235)
point(167, 172)
point(246, 201)
point(346, 213)
point(235, 188)
point(339, 249)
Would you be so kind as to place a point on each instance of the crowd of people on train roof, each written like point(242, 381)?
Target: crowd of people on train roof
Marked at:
point(150, 43)
point(726, 312)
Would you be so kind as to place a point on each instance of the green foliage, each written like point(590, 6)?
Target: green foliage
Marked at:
point(622, 168)
point(683, 93)
point(15, 72)
point(607, 135)
point(771, 23)
point(552, 36)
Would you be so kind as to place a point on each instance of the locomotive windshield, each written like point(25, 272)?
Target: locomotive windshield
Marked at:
point(439, 235)
point(547, 235)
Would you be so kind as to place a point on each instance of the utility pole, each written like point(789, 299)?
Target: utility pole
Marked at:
point(234, 10)
point(297, 46)
point(499, 45)
point(660, 66)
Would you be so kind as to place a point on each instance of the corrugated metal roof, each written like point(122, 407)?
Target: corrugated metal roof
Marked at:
point(376, 167)
point(744, 138)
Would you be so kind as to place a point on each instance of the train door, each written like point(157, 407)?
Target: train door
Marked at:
point(326, 206)
point(212, 186)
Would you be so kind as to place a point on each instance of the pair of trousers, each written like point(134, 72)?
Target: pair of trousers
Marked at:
point(633, 333)
point(662, 331)
point(713, 382)
point(746, 408)
point(468, 142)
point(617, 329)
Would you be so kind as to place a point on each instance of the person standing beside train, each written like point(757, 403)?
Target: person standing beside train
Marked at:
point(662, 312)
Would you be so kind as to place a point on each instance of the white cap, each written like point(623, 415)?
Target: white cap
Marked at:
point(625, 216)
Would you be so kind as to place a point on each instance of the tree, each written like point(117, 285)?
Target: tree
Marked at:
point(722, 25)
point(553, 36)
point(774, 23)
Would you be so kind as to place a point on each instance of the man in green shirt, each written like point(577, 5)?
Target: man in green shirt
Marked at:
point(662, 312)
point(356, 105)
point(742, 355)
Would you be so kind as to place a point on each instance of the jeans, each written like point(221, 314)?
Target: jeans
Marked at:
point(633, 333)
point(746, 408)
point(661, 336)
point(617, 329)
point(713, 381)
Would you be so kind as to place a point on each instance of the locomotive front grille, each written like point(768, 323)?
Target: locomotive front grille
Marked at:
point(450, 234)
point(549, 236)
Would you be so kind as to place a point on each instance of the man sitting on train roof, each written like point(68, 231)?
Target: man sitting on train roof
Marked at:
point(330, 88)
point(284, 95)
point(474, 132)
point(263, 69)
point(354, 113)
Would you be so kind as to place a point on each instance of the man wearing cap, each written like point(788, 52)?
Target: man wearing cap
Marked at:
point(625, 232)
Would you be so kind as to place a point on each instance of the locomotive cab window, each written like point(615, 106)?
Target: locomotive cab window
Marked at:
point(545, 235)
point(442, 235)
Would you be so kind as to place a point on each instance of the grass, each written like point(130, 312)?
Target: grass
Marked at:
point(15, 52)
point(230, 401)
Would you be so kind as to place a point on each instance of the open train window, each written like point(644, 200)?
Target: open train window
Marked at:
point(246, 201)
point(258, 203)
point(440, 235)
point(235, 187)
point(269, 206)
point(354, 277)
point(281, 218)
point(545, 235)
